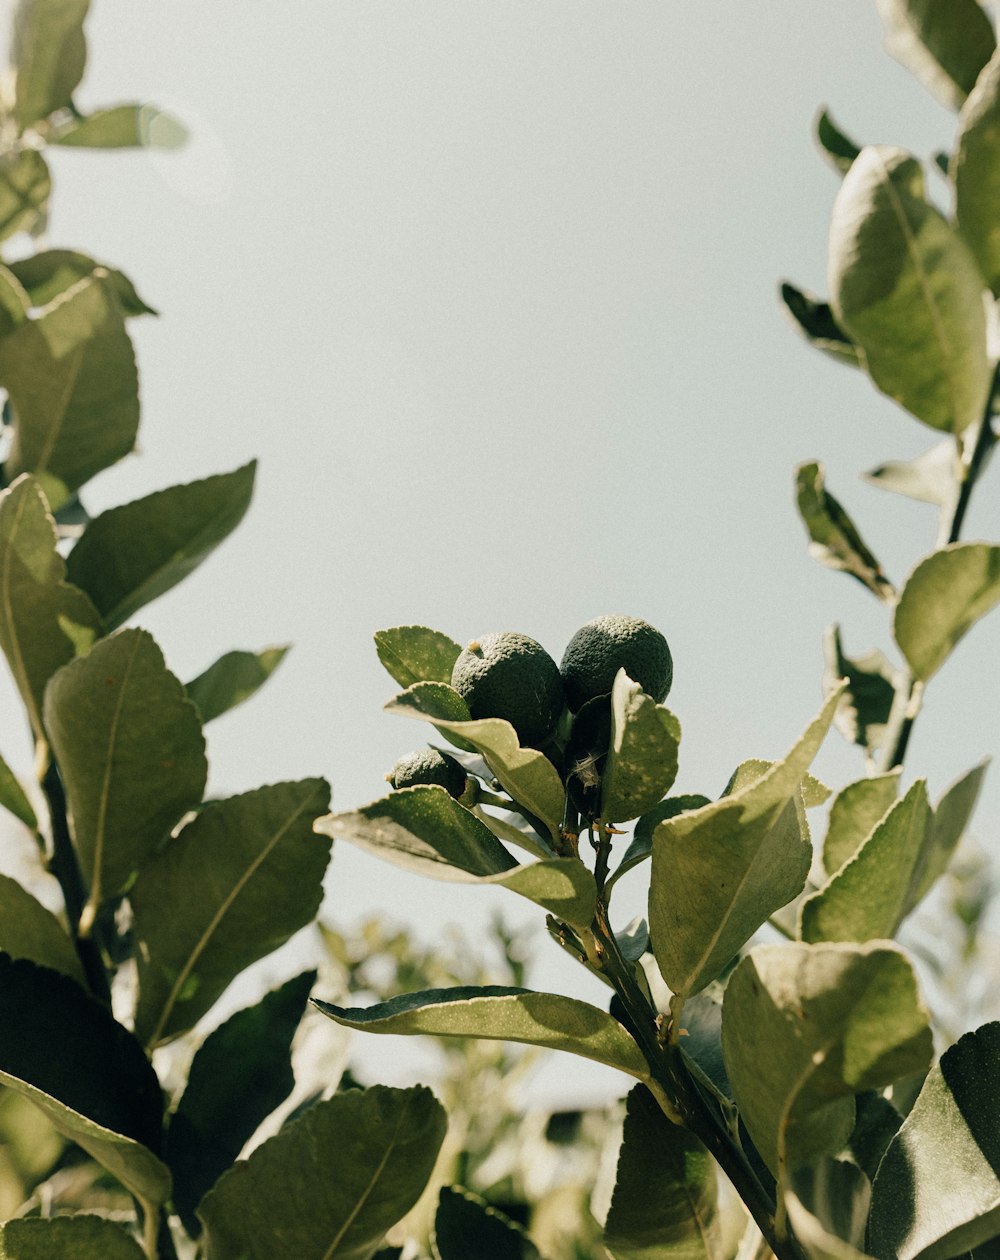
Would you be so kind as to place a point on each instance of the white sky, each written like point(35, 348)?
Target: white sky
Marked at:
point(490, 290)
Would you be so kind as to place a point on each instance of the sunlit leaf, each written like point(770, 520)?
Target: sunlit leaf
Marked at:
point(642, 759)
point(930, 478)
point(944, 43)
point(414, 654)
point(50, 272)
point(828, 1207)
point(943, 598)
point(233, 678)
point(641, 845)
point(853, 815)
point(131, 126)
point(25, 184)
point(48, 54)
point(80, 1237)
point(12, 794)
point(28, 930)
point(835, 540)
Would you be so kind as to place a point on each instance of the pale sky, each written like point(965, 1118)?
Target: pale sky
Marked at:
point(490, 291)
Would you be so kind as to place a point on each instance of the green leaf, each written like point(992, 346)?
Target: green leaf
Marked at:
point(828, 1208)
point(235, 884)
point(835, 539)
point(51, 272)
point(905, 287)
point(853, 816)
point(930, 478)
point(838, 148)
point(465, 1225)
point(563, 886)
point(14, 301)
point(131, 753)
point(641, 846)
point(721, 871)
point(805, 1028)
point(975, 171)
point(132, 554)
point(937, 1191)
point(25, 184)
point(665, 1198)
point(944, 43)
point(43, 620)
point(79, 1237)
point(413, 654)
point(942, 599)
point(240, 1074)
point(13, 798)
point(330, 1185)
point(48, 55)
point(495, 1013)
point(233, 678)
point(131, 126)
point(642, 759)
point(73, 388)
point(104, 1095)
point(815, 321)
point(423, 829)
point(863, 713)
point(525, 773)
point(951, 817)
point(873, 892)
point(28, 930)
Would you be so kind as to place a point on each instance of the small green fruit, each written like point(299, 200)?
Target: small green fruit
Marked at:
point(510, 676)
point(428, 766)
point(605, 645)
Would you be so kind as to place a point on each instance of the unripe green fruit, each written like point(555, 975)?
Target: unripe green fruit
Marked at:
point(510, 676)
point(428, 766)
point(605, 645)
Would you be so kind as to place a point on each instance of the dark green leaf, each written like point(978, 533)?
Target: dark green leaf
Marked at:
point(465, 1226)
point(942, 599)
point(840, 150)
point(642, 759)
point(233, 678)
point(664, 1202)
point(25, 184)
point(413, 654)
point(28, 930)
point(853, 816)
point(131, 752)
point(104, 1094)
point(331, 1184)
point(720, 871)
point(240, 1074)
point(494, 1013)
point(132, 554)
point(828, 1206)
point(14, 301)
point(944, 43)
point(930, 478)
point(73, 389)
point(906, 289)
point(129, 126)
point(235, 884)
point(44, 621)
point(805, 1028)
point(975, 170)
point(863, 713)
point(12, 795)
point(48, 54)
point(80, 1237)
point(47, 274)
point(937, 1191)
point(814, 319)
point(835, 539)
point(876, 1125)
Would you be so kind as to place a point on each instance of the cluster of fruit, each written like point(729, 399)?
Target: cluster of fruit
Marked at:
point(562, 710)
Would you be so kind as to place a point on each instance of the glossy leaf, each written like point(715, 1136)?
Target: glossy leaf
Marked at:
point(835, 540)
point(642, 758)
point(805, 1028)
point(838, 148)
point(720, 871)
point(815, 321)
point(131, 752)
point(130, 555)
point(871, 894)
point(975, 171)
point(80, 1237)
point(12, 795)
point(240, 1074)
point(525, 773)
point(44, 621)
point(104, 1095)
point(233, 678)
point(937, 1191)
point(905, 287)
point(863, 713)
point(236, 883)
point(495, 1013)
point(943, 598)
point(51, 272)
point(48, 54)
point(73, 388)
point(129, 126)
point(413, 654)
point(28, 930)
point(944, 43)
point(465, 1225)
point(930, 478)
point(25, 184)
point(664, 1203)
point(853, 816)
point(331, 1184)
